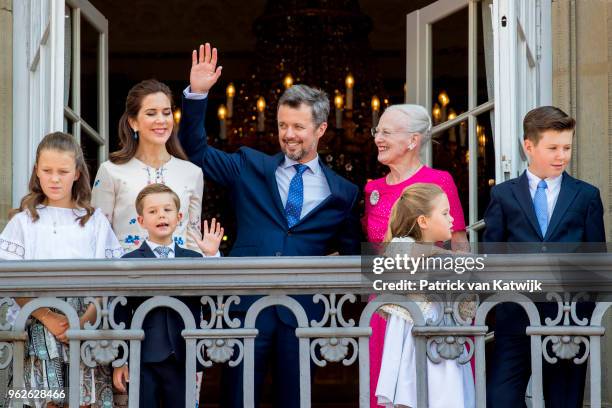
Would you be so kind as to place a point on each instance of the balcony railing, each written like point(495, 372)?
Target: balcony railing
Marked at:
point(333, 281)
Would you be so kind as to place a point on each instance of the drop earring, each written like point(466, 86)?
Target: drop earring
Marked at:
point(135, 135)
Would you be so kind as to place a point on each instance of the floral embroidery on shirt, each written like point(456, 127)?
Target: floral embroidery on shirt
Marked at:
point(132, 239)
point(133, 221)
point(196, 223)
point(12, 247)
point(155, 175)
point(96, 183)
point(178, 241)
point(111, 253)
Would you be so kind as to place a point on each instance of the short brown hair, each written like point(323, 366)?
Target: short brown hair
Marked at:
point(156, 188)
point(545, 118)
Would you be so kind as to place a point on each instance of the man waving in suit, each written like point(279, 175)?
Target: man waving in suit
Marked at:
point(288, 204)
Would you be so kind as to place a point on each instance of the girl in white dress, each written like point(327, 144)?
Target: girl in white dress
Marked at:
point(421, 215)
point(56, 221)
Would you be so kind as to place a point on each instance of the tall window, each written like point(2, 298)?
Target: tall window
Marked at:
point(86, 80)
point(472, 64)
point(59, 60)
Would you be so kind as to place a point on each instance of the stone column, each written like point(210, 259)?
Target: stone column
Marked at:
point(582, 75)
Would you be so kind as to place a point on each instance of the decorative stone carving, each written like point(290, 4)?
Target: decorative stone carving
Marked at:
point(103, 352)
point(219, 351)
point(566, 347)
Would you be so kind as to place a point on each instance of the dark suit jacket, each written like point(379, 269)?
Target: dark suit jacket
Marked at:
point(162, 326)
point(262, 227)
point(577, 216)
point(510, 218)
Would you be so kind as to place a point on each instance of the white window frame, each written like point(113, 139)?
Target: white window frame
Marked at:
point(38, 81)
point(38, 56)
point(80, 128)
point(513, 97)
point(523, 75)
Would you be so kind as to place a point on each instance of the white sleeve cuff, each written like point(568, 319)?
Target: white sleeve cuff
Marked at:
point(217, 255)
point(192, 95)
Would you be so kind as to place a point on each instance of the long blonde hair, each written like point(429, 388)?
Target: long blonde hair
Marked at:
point(415, 200)
point(81, 190)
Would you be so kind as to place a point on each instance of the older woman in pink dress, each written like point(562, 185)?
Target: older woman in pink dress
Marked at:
point(401, 132)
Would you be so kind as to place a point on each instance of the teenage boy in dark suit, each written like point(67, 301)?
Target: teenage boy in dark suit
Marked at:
point(543, 205)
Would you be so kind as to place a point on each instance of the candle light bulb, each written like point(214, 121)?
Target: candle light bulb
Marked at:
point(261, 104)
point(230, 91)
point(436, 112)
point(375, 103)
point(452, 115)
point(443, 98)
point(482, 140)
point(338, 101)
point(288, 81)
point(177, 115)
point(349, 81)
point(222, 112)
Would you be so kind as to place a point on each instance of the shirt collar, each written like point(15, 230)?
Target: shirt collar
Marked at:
point(313, 165)
point(153, 245)
point(551, 182)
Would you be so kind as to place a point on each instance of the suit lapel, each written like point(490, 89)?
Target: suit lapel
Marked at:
point(520, 189)
point(178, 251)
point(145, 251)
point(566, 197)
point(270, 171)
point(333, 187)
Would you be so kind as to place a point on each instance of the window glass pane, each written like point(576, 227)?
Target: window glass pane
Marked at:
point(90, 150)
point(450, 63)
point(450, 153)
point(68, 56)
point(68, 126)
point(89, 73)
point(485, 80)
point(486, 160)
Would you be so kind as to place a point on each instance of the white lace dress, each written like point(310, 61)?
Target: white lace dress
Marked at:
point(57, 234)
point(450, 385)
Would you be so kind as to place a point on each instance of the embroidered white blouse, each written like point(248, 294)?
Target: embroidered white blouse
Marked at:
point(117, 185)
point(57, 234)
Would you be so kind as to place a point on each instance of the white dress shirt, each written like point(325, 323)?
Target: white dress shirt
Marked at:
point(316, 188)
point(153, 245)
point(193, 95)
point(171, 254)
point(552, 192)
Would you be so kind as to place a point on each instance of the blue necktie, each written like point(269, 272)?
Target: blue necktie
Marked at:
point(162, 251)
point(540, 204)
point(295, 196)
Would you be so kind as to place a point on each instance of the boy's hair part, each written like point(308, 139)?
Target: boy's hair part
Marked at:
point(156, 188)
point(545, 118)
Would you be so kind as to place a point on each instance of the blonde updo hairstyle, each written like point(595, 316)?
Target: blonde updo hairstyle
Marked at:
point(416, 120)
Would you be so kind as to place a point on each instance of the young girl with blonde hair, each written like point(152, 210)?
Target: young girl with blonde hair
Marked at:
point(420, 216)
